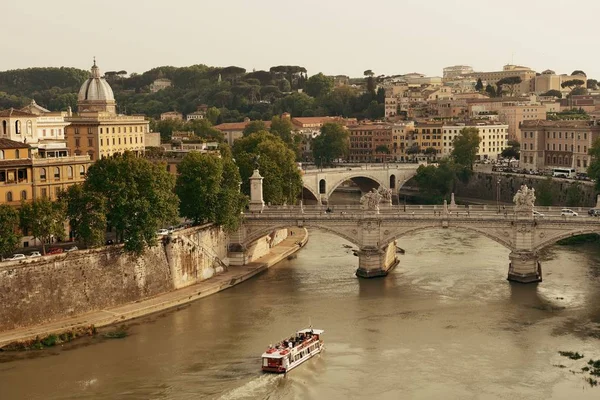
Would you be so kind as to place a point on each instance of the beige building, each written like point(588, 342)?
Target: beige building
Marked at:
point(557, 144)
point(549, 80)
point(402, 139)
point(97, 130)
point(175, 115)
point(526, 74)
point(456, 71)
point(514, 113)
point(160, 84)
point(16, 178)
point(494, 138)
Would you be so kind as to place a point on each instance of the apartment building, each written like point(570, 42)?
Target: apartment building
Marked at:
point(402, 140)
point(428, 134)
point(514, 113)
point(556, 144)
point(494, 138)
point(16, 178)
point(367, 143)
point(526, 74)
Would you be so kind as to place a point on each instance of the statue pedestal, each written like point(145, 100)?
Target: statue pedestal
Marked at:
point(257, 203)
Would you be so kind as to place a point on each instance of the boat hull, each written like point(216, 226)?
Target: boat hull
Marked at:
point(291, 366)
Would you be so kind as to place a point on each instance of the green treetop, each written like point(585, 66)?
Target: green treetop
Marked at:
point(9, 225)
point(465, 147)
point(332, 144)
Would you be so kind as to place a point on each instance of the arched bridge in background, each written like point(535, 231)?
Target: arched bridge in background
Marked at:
point(321, 183)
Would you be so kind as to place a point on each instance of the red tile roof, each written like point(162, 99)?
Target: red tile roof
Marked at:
point(237, 126)
point(11, 144)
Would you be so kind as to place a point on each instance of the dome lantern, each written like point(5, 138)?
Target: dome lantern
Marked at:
point(96, 94)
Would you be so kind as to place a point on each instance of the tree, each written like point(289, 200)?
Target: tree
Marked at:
point(370, 81)
point(86, 211)
point(198, 186)
point(44, 219)
point(553, 93)
point(436, 182)
point(282, 181)
point(230, 201)
point(283, 128)
point(479, 85)
point(9, 228)
point(465, 147)
point(333, 143)
point(254, 126)
point(511, 82)
point(592, 84)
point(572, 83)
point(490, 90)
point(212, 114)
point(593, 170)
point(574, 196)
point(545, 192)
point(413, 149)
point(578, 91)
point(512, 151)
point(319, 85)
point(430, 151)
point(578, 72)
point(139, 196)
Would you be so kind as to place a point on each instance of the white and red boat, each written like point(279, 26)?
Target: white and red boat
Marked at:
point(289, 353)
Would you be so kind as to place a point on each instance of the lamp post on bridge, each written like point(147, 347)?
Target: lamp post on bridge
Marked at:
point(498, 195)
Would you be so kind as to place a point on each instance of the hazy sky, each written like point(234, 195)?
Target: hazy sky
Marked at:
point(332, 36)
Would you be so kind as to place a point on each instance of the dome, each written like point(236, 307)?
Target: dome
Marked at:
point(95, 88)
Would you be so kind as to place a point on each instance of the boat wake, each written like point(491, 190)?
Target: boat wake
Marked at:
point(258, 388)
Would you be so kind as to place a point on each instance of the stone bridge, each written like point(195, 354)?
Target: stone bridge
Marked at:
point(322, 182)
point(374, 232)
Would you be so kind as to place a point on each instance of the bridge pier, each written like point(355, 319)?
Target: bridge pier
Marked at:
point(524, 267)
point(374, 262)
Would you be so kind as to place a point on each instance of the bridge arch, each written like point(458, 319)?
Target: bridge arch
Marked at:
point(257, 233)
point(545, 240)
point(405, 231)
point(334, 183)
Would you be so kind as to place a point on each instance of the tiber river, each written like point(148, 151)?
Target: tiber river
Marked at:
point(445, 324)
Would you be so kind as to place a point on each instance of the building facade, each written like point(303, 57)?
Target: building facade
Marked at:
point(16, 178)
point(96, 130)
point(557, 144)
point(514, 113)
point(494, 138)
point(367, 143)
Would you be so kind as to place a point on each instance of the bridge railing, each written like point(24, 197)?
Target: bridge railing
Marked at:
point(372, 167)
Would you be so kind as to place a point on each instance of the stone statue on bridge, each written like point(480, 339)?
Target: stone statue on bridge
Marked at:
point(370, 201)
point(386, 194)
point(524, 199)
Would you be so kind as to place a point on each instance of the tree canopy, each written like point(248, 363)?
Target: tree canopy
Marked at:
point(43, 219)
point(332, 144)
point(139, 197)
point(319, 85)
point(282, 182)
point(465, 147)
point(553, 93)
point(9, 226)
point(593, 170)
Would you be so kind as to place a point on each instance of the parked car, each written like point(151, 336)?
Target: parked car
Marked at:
point(35, 254)
point(567, 212)
point(73, 248)
point(16, 257)
point(162, 232)
point(538, 214)
point(54, 250)
point(594, 212)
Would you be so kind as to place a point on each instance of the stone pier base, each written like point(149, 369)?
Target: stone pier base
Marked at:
point(375, 263)
point(524, 267)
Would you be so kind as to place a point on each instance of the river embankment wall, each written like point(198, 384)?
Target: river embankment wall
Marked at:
point(42, 290)
point(484, 186)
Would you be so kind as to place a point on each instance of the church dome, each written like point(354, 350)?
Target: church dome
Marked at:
point(95, 88)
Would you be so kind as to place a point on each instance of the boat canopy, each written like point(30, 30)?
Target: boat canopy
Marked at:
point(309, 330)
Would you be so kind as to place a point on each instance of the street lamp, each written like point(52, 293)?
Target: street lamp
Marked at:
point(498, 195)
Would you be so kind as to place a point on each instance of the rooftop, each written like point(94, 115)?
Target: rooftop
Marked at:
point(11, 144)
point(533, 123)
point(11, 112)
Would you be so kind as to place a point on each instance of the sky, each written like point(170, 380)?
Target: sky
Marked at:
point(344, 37)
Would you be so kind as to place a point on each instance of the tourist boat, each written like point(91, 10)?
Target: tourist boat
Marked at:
point(289, 353)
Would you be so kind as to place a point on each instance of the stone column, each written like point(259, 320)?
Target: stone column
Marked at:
point(374, 262)
point(598, 201)
point(257, 203)
point(524, 267)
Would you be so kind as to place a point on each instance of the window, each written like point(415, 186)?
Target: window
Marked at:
point(4, 131)
point(44, 193)
point(119, 140)
point(70, 172)
point(81, 170)
point(1, 154)
point(9, 197)
point(130, 140)
point(113, 141)
point(101, 142)
point(113, 129)
point(585, 136)
point(23, 195)
point(584, 163)
point(56, 173)
point(76, 142)
point(100, 130)
point(44, 132)
point(77, 130)
point(29, 127)
point(17, 153)
point(43, 174)
point(90, 131)
point(90, 142)
point(18, 127)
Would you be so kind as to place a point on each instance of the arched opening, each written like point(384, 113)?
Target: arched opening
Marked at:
point(351, 190)
point(392, 181)
point(308, 197)
point(29, 127)
point(322, 186)
point(17, 127)
point(23, 195)
point(43, 174)
point(70, 172)
point(56, 173)
point(9, 197)
point(81, 170)
point(4, 125)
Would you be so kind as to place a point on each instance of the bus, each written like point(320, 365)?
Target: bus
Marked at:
point(563, 172)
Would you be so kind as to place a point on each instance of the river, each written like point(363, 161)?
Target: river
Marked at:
point(444, 324)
